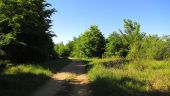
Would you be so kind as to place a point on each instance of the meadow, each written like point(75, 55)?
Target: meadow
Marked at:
point(120, 77)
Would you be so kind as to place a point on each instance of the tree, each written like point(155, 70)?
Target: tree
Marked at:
point(121, 44)
point(62, 50)
point(90, 44)
point(131, 31)
point(24, 30)
point(142, 46)
point(115, 45)
point(70, 46)
point(132, 37)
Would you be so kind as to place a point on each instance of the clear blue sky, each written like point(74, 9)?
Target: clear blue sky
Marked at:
point(76, 16)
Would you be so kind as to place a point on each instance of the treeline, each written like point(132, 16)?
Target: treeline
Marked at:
point(25, 36)
point(130, 43)
point(24, 30)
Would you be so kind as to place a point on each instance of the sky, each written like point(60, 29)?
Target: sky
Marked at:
point(73, 17)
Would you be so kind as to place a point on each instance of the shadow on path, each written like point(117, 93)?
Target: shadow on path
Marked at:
point(70, 81)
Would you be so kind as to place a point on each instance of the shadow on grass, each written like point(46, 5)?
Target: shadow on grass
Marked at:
point(21, 84)
point(118, 64)
point(24, 84)
point(68, 84)
point(87, 64)
point(57, 64)
point(123, 87)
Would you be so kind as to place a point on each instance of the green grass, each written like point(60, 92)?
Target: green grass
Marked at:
point(24, 79)
point(119, 77)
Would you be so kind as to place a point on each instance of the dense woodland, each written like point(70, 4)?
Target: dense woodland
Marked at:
point(131, 62)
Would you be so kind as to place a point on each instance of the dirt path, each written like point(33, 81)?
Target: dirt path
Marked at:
point(70, 81)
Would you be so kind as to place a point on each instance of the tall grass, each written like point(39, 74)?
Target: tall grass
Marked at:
point(111, 77)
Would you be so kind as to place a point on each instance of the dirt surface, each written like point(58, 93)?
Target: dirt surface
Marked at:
point(70, 81)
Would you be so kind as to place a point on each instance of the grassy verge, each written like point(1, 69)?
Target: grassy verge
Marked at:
point(118, 77)
point(24, 79)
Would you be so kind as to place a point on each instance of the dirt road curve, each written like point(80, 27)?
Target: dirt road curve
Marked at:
point(70, 81)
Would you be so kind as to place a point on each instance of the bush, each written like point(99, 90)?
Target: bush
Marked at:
point(150, 47)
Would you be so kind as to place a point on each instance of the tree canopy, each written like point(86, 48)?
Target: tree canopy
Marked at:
point(24, 30)
point(90, 44)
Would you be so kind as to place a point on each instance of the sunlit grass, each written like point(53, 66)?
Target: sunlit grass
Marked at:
point(25, 68)
point(24, 79)
point(139, 78)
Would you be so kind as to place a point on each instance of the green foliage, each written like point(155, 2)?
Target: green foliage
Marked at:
point(134, 45)
point(120, 44)
point(70, 46)
point(90, 44)
point(132, 36)
point(115, 45)
point(111, 77)
point(24, 26)
point(131, 32)
point(62, 50)
point(2, 54)
point(151, 47)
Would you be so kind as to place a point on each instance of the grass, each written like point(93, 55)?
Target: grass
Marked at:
point(24, 79)
point(119, 77)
